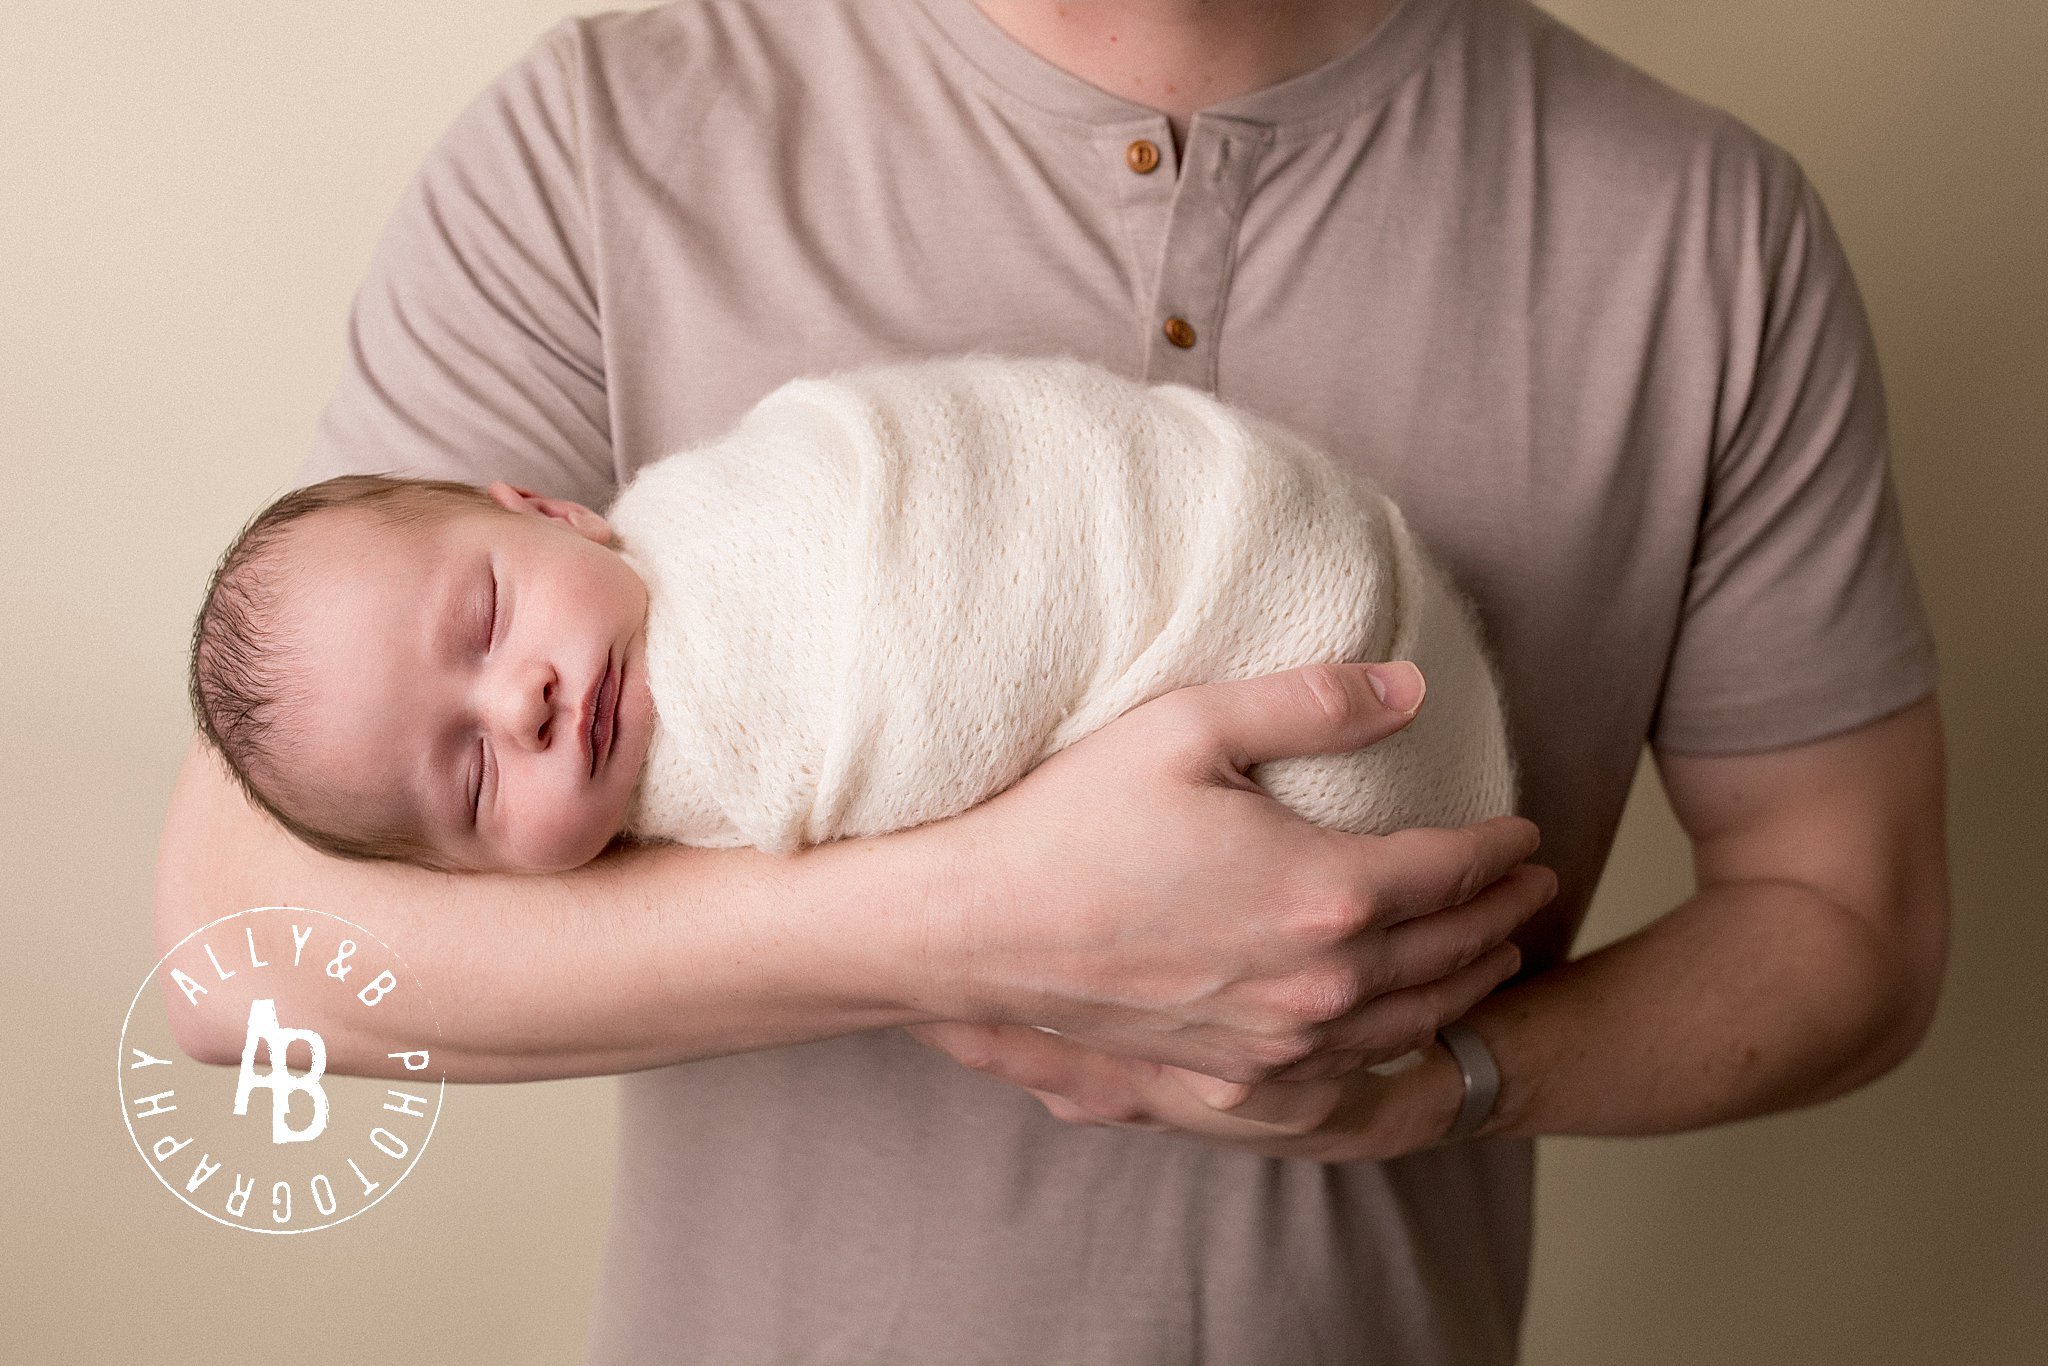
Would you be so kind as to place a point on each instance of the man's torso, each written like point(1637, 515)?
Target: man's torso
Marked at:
point(1520, 286)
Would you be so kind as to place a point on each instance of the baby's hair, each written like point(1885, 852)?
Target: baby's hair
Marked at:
point(241, 651)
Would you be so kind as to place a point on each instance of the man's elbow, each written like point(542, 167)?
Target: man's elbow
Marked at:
point(202, 1044)
point(206, 827)
point(1918, 954)
point(177, 910)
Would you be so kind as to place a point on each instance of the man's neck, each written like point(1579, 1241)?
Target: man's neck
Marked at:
point(1181, 56)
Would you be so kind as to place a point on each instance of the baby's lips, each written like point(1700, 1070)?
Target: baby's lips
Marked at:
point(604, 716)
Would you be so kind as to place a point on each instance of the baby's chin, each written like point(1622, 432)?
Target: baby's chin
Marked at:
point(494, 864)
point(538, 864)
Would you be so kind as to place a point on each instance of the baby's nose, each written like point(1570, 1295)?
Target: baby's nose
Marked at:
point(523, 708)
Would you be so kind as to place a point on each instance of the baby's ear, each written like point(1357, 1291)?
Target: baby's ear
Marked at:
point(570, 513)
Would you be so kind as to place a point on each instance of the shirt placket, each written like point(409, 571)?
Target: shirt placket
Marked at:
point(1186, 224)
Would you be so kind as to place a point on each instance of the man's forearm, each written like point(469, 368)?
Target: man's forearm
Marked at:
point(1748, 998)
point(649, 956)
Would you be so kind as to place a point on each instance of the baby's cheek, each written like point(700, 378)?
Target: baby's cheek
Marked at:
point(590, 820)
point(549, 831)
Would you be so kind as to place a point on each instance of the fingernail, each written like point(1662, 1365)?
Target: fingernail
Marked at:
point(1397, 684)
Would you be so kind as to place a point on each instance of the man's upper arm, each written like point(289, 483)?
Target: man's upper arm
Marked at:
point(1797, 732)
point(474, 342)
point(1857, 817)
point(1802, 616)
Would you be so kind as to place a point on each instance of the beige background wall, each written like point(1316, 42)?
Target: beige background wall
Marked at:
point(188, 193)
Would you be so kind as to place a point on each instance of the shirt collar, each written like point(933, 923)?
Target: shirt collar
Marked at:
point(1342, 88)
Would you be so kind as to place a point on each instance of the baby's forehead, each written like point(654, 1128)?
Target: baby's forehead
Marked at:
point(337, 537)
point(329, 556)
point(351, 603)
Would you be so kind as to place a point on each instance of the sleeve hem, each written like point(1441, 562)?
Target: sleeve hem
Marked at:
point(1801, 718)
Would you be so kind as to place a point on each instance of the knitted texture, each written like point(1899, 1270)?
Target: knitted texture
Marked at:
point(889, 593)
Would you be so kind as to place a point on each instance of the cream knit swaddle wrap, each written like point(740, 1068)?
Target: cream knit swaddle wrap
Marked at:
point(890, 593)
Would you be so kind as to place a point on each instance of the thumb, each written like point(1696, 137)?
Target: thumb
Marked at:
point(1315, 709)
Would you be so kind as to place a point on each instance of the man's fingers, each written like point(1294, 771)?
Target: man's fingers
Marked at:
point(1429, 947)
point(1315, 709)
point(1414, 872)
point(1325, 1066)
point(1060, 1108)
point(1026, 1056)
point(1214, 1092)
point(1390, 1025)
point(1016, 1053)
point(1296, 1107)
point(1423, 951)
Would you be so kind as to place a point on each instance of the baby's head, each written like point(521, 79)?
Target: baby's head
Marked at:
point(429, 672)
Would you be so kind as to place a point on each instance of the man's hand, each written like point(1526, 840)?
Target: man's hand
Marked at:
point(1808, 962)
point(1142, 896)
point(1361, 1116)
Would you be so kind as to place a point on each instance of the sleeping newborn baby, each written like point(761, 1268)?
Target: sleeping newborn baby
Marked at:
point(883, 598)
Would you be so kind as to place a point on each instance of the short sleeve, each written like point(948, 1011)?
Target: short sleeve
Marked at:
point(474, 349)
point(1802, 617)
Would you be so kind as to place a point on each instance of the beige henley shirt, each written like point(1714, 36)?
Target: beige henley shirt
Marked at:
point(1597, 340)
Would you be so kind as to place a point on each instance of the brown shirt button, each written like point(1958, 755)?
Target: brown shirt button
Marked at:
point(1142, 156)
point(1179, 333)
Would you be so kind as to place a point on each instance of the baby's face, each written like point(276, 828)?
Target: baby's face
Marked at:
point(479, 680)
